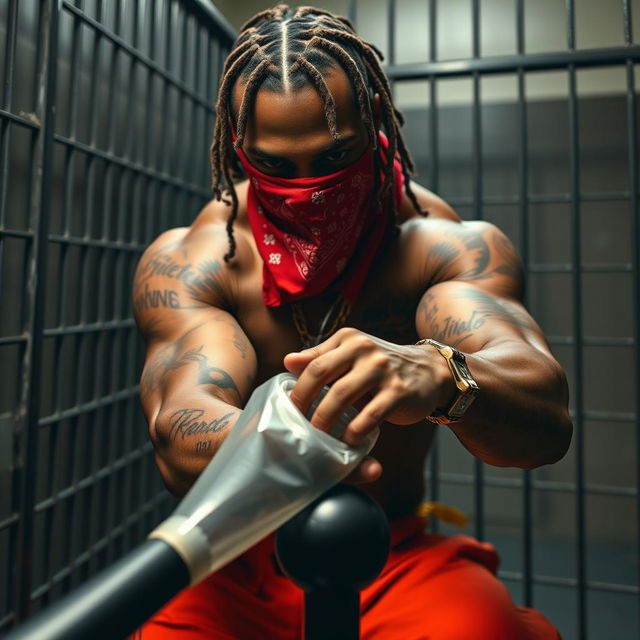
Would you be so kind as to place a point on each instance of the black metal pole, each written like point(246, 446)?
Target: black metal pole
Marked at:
point(332, 549)
point(114, 603)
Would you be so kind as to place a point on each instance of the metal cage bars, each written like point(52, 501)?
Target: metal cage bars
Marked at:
point(153, 180)
point(520, 64)
point(78, 351)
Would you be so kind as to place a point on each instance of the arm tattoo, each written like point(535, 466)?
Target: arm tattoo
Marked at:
point(174, 356)
point(165, 361)
point(443, 254)
point(208, 374)
point(206, 281)
point(481, 247)
point(450, 330)
point(476, 244)
point(154, 298)
point(455, 329)
point(201, 281)
point(491, 307)
point(187, 422)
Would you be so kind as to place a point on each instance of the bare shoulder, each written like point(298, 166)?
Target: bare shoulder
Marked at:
point(433, 205)
point(471, 251)
point(186, 266)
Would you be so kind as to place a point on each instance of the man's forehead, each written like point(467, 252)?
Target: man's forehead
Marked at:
point(305, 98)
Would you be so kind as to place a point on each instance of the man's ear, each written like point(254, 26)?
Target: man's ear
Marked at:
point(376, 109)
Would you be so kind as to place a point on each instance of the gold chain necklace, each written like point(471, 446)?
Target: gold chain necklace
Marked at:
point(337, 315)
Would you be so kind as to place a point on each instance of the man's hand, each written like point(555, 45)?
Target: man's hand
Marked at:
point(388, 382)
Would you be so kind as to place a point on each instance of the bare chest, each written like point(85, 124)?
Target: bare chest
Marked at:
point(386, 308)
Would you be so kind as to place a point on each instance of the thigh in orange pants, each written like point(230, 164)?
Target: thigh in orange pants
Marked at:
point(432, 588)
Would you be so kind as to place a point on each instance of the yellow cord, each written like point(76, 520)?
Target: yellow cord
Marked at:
point(444, 513)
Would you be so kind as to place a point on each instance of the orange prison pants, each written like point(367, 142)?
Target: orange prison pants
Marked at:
point(433, 587)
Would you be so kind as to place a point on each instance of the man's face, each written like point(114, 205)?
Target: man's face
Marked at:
point(287, 133)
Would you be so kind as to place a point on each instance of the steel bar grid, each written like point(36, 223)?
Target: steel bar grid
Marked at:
point(523, 247)
point(632, 136)
point(434, 463)
point(524, 202)
point(478, 214)
point(581, 58)
point(578, 353)
point(100, 189)
point(541, 485)
point(94, 241)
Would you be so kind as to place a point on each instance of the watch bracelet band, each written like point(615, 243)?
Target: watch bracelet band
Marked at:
point(466, 387)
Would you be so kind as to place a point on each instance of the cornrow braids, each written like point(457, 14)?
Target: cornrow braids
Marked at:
point(283, 49)
point(351, 67)
point(323, 90)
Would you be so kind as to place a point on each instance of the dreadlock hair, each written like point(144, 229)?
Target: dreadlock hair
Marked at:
point(283, 48)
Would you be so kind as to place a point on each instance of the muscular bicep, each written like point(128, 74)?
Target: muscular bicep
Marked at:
point(210, 356)
point(476, 295)
point(193, 340)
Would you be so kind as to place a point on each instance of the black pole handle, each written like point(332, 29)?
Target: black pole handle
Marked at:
point(332, 549)
point(115, 602)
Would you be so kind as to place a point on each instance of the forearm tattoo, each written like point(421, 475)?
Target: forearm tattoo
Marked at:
point(453, 329)
point(188, 422)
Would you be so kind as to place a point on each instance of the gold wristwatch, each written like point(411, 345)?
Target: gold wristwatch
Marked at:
point(467, 387)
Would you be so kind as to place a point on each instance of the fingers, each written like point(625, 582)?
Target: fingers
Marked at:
point(345, 392)
point(369, 470)
point(296, 361)
point(380, 406)
point(321, 365)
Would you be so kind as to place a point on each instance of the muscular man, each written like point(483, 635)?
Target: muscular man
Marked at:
point(320, 256)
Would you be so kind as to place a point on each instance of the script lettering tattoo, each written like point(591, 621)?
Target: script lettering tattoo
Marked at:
point(452, 327)
point(451, 330)
point(205, 445)
point(187, 422)
point(163, 264)
point(154, 298)
point(489, 306)
point(454, 330)
point(200, 281)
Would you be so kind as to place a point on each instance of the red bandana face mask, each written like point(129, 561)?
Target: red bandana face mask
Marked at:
point(314, 232)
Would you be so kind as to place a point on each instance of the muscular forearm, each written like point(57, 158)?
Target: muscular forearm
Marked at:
point(187, 434)
point(520, 418)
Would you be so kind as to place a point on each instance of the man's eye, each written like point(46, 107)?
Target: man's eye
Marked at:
point(336, 156)
point(270, 164)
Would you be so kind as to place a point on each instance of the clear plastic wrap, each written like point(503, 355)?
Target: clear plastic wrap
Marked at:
point(270, 466)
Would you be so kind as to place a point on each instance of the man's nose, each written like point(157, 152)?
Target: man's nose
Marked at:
point(304, 169)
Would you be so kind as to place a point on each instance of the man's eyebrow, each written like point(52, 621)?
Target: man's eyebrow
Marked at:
point(324, 150)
